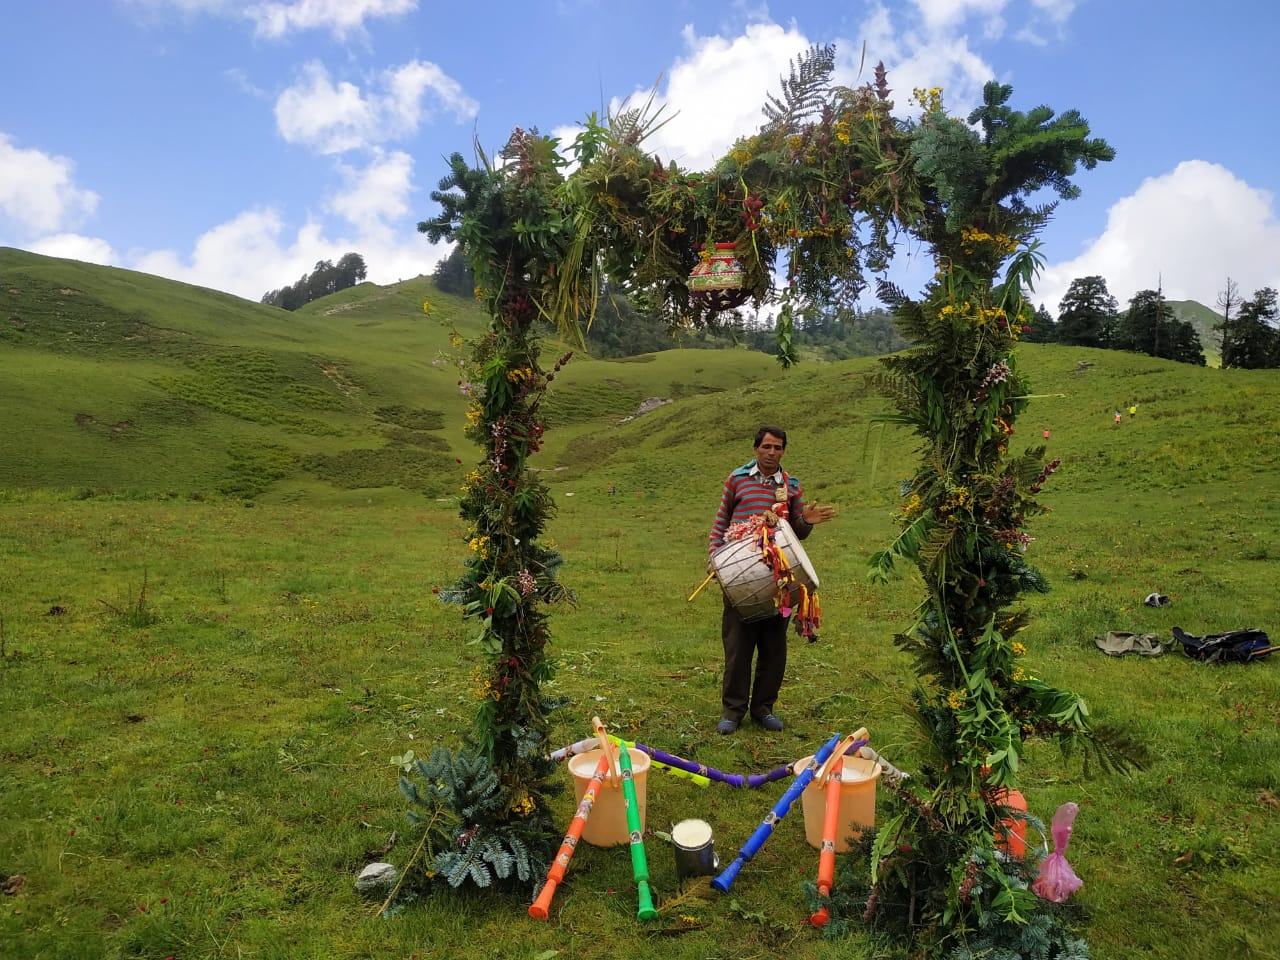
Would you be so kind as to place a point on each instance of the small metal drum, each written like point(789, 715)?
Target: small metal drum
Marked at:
point(695, 849)
point(747, 580)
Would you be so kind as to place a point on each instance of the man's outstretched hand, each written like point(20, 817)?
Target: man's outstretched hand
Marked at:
point(818, 512)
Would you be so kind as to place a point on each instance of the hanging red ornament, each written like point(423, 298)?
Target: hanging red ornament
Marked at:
point(718, 281)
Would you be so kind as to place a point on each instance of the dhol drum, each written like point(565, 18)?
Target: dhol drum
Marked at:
point(747, 580)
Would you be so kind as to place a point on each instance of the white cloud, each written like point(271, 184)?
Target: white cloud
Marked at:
point(335, 118)
point(38, 191)
point(242, 256)
point(940, 16)
point(73, 246)
point(341, 17)
point(1057, 12)
point(275, 20)
point(375, 195)
point(252, 254)
point(329, 118)
point(1189, 230)
point(405, 89)
point(241, 81)
point(714, 94)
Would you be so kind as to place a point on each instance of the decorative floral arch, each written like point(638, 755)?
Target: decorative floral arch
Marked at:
point(818, 197)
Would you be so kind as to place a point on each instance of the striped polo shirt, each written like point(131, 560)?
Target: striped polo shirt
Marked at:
point(747, 493)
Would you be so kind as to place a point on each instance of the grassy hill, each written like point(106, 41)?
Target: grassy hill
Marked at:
point(127, 384)
point(1203, 319)
point(207, 706)
point(124, 384)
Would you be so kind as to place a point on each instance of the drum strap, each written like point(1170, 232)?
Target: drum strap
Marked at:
point(781, 495)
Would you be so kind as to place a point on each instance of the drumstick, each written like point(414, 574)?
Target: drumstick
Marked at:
point(710, 577)
point(762, 832)
point(850, 744)
point(830, 826)
point(540, 909)
point(639, 864)
point(607, 746)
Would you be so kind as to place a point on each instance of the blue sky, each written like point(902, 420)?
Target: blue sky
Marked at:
point(235, 144)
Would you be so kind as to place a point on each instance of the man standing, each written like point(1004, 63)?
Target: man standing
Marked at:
point(749, 491)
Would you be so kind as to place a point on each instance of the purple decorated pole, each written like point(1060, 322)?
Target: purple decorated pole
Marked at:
point(732, 779)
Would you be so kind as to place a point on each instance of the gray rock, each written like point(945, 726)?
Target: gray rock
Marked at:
point(376, 877)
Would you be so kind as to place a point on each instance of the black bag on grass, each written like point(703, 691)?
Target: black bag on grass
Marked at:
point(1234, 646)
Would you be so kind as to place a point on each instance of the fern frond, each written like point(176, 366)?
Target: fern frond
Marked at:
point(934, 552)
point(804, 92)
point(905, 546)
point(1111, 749)
point(890, 294)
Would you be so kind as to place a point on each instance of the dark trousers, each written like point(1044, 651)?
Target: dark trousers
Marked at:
point(766, 640)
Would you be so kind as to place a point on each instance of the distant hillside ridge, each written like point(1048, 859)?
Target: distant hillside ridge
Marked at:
point(122, 383)
point(1204, 319)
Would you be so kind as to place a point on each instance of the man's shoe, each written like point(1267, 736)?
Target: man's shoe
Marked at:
point(726, 727)
point(769, 722)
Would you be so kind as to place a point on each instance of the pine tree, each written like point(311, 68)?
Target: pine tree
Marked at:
point(1086, 312)
point(1254, 340)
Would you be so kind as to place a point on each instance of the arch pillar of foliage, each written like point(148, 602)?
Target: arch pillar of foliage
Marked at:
point(816, 196)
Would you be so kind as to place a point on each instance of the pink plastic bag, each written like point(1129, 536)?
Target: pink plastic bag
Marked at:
point(1057, 880)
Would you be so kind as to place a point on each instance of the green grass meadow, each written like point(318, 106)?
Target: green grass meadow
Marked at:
point(220, 527)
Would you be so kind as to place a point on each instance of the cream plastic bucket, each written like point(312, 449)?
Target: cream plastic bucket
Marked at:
point(607, 824)
point(857, 801)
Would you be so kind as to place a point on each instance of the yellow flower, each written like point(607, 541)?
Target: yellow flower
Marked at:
point(930, 100)
point(1019, 648)
point(955, 699)
point(958, 499)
